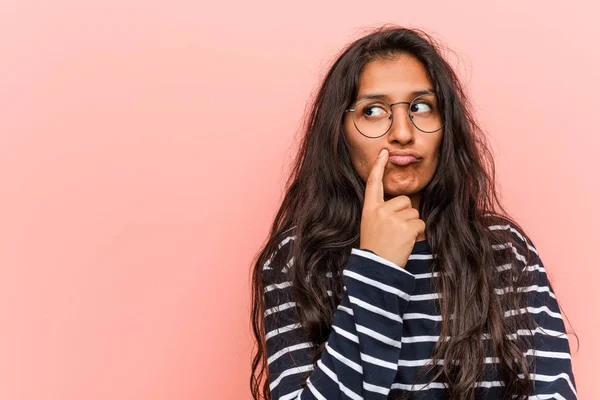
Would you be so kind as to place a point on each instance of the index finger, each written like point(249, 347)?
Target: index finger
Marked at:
point(374, 187)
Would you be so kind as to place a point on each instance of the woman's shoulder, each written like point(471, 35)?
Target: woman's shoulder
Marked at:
point(508, 235)
point(508, 225)
point(280, 258)
point(285, 239)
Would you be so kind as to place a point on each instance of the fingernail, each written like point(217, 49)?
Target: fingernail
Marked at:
point(382, 152)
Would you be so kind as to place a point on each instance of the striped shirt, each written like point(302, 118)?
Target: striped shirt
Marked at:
point(385, 329)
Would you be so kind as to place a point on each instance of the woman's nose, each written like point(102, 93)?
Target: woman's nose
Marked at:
point(402, 128)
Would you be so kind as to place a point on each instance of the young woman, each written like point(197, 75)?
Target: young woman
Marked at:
point(391, 270)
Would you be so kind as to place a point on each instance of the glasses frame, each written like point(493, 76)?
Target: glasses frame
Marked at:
point(391, 117)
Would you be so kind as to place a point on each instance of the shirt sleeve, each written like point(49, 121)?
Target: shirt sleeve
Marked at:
point(552, 374)
point(360, 358)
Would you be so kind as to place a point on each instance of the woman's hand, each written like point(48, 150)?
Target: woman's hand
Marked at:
point(388, 228)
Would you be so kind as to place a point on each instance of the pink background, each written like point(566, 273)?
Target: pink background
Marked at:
point(143, 150)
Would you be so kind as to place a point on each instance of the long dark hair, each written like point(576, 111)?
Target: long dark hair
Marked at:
point(323, 203)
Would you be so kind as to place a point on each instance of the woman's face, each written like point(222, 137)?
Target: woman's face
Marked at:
point(396, 80)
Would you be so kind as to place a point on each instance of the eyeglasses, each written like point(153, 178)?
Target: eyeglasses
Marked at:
point(373, 118)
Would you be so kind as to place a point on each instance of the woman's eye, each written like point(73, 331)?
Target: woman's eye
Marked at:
point(421, 108)
point(374, 111)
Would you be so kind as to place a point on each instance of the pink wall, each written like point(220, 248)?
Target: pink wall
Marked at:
point(141, 140)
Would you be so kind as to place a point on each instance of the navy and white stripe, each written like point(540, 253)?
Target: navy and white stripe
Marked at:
point(385, 329)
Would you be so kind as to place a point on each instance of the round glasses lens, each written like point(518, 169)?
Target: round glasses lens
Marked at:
point(372, 117)
point(424, 113)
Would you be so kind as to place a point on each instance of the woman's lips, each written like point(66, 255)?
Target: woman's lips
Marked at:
point(402, 160)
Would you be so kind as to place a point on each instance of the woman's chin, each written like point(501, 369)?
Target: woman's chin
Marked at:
point(395, 190)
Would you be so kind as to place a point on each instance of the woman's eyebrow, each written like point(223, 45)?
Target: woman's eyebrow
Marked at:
point(383, 96)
